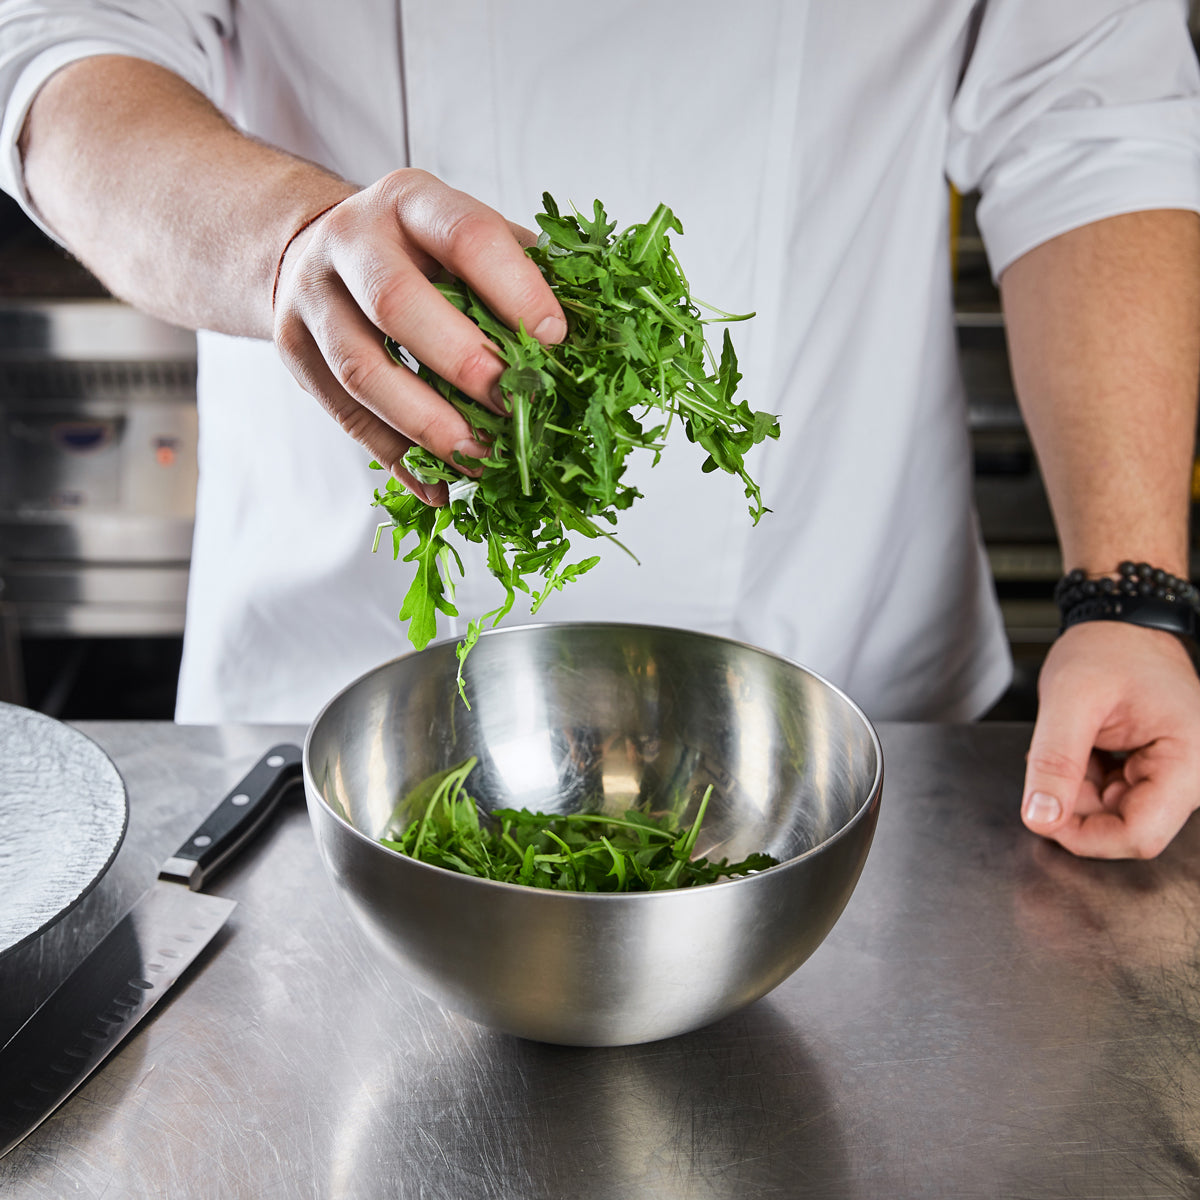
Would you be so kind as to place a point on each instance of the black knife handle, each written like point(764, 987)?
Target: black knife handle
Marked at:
point(236, 819)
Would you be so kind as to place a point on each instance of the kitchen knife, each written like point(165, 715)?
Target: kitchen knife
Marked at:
point(101, 1002)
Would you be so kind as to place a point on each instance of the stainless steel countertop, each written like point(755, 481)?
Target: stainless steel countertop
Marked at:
point(990, 1018)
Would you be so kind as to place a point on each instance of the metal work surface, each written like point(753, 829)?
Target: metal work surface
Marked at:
point(990, 1017)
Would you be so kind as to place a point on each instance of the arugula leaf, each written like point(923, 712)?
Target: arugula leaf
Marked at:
point(634, 362)
point(439, 823)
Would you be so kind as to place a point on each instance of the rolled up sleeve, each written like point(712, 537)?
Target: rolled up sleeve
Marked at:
point(1073, 111)
point(188, 37)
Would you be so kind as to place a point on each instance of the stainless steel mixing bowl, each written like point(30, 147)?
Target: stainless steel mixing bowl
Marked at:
point(564, 717)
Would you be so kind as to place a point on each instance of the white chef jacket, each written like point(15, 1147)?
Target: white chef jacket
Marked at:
point(805, 145)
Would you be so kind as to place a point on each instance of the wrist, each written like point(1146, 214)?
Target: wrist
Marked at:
point(297, 198)
point(1135, 594)
point(301, 228)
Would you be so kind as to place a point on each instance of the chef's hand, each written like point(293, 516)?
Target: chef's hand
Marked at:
point(363, 269)
point(1114, 764)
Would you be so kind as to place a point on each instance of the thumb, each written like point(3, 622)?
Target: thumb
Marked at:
point(1057, 764)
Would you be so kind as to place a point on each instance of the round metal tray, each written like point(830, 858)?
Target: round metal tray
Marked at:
point(63, 814)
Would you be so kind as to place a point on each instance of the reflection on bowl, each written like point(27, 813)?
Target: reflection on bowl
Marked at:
point(565, 717)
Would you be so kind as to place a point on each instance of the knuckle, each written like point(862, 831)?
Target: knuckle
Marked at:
point(354, 370)
point(1055, 764)
point(1148, 843)
point(291, 338)
point(1144, 848)
point(354, 420)
point(426, 431)
point(477, 370)
point(335, 226)
point(386, 298)
point(341, 221)
point(467, 234)
point(410, 179)
point(416, 197)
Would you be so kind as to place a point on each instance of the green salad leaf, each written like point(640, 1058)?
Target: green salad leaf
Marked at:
point(634, 362)
point(439, 823)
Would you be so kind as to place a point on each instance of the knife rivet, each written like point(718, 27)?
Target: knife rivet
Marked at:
point(276, 760)
point(241, 799)
point(202, 840)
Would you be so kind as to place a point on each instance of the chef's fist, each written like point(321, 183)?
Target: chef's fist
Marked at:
point(1114, 764)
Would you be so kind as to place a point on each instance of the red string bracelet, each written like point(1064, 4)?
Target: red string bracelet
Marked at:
point(288, 244)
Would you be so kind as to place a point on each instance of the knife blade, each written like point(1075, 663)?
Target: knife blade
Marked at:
point(102, 1000)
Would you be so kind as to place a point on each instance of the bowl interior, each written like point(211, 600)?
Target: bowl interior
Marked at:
point(565, 718)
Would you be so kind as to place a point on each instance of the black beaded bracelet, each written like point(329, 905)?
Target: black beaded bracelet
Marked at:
point(1141, 595)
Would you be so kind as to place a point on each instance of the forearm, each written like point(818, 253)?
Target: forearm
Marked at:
point(169, 205)
point(1104, 334)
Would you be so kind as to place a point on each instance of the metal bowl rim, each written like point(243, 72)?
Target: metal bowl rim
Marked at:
point(869, 804)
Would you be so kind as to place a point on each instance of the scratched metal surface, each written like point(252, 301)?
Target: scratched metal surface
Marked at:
point(989, 1018)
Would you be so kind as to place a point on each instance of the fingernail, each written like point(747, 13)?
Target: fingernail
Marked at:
point(1042, 809)
point(422, 493)
point(470, 448)
point(552, 329)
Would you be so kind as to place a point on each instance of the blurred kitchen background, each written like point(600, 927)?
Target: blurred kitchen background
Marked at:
point(97, 488)
point(98, 475)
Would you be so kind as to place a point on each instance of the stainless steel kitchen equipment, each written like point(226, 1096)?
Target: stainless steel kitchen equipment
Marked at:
point(97, 467)
point(104, 998)
point(597, 718)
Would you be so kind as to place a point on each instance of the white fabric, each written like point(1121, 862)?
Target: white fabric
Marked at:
point(38, 39)
point(805, 147)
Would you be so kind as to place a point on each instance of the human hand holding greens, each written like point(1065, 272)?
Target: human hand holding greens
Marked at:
point(634, 363)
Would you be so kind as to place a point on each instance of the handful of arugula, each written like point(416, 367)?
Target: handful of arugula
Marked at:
point(439, 823)
point(633, 361)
